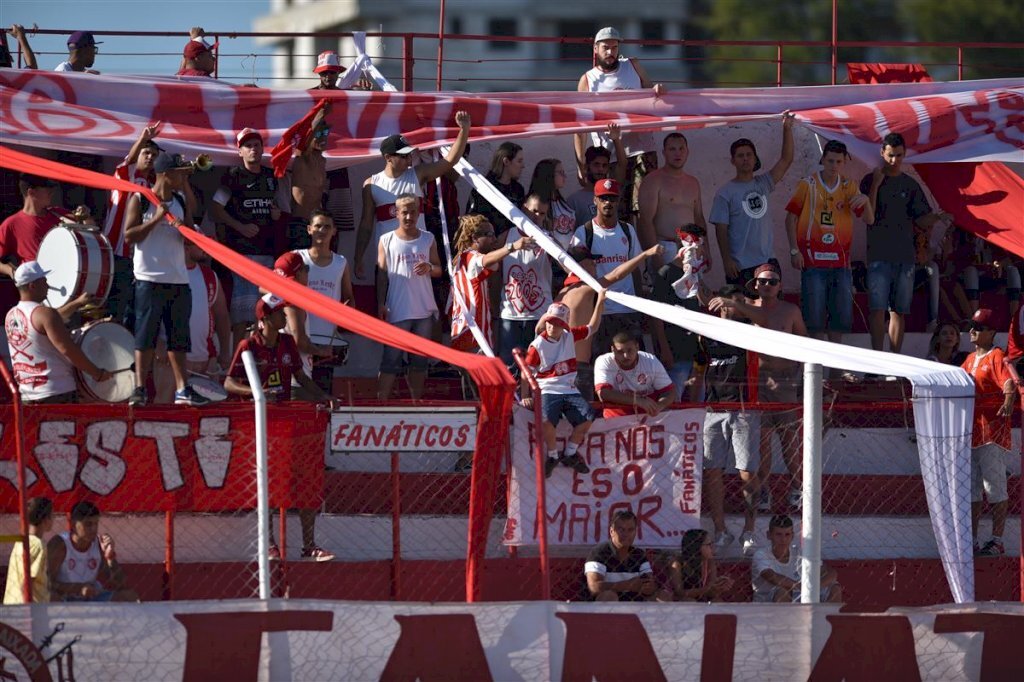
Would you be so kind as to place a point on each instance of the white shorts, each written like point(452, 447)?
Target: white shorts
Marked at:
point(732, 433)
point(988, 473)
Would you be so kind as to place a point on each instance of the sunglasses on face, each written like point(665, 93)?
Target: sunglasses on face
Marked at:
point(322, 133)
point(980, 328)
point(770, 282)
point(608, 198)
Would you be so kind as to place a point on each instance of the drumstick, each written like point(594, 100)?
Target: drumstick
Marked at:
point(129, 368)
point(61, 290)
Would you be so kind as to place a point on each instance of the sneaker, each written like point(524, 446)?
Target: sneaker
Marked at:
point(138, 398)
point(749, 543)
point(576, 463)
point(765, 503)
point(796, 498)
point(189, 396)
point(317, 554)
point(274, 553)
point(549, 466)
point(723, 539)
point(991, 548)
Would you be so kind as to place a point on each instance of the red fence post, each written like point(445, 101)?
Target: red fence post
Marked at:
point(539, 458)
point(408, 61)
point(19, 440)
point(168, 555)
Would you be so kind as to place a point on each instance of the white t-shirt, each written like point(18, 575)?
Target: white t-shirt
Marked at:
point(623, 78)
point(563, 222)
point(764, 560)
point(410, 296)
point(160, 257)
point(526, 282)
point(554, 361)
point(611, 249)
point(384, 190)
point(647, 378)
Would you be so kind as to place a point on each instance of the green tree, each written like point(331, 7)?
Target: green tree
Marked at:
point(955, 21)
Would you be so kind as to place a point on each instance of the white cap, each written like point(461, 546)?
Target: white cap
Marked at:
point(328, 61)
point(607, 33)
point(29, 272)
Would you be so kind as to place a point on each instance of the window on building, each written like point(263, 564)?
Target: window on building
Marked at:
point(584, 51)
point(652, 30)
point(502, 27)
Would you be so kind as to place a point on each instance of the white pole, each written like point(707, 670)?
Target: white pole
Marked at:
point(810, 568)
point(262, 497)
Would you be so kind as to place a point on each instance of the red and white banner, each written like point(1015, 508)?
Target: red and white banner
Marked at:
point(163, 458)
point(956, 121)
point(403, 429)
point(650, 465)
point(296, 639)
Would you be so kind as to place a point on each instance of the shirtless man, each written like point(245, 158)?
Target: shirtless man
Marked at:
point(309, 171)
point(669, 199)
point(580, 300)
point(779, 380)
point(399, 177)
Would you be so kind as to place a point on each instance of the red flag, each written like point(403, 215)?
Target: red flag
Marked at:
point(281, 154)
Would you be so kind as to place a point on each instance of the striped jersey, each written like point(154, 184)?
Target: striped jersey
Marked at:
point(117, 207)
point(824, 226)
point(471, 282)
point(554, 360)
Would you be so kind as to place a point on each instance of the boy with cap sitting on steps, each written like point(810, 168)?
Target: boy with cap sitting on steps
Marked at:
point(552, 359)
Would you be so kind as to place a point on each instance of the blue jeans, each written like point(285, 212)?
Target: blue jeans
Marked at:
point(575, 408)
point(827, 291)
point(890, 286)
point(679, 373)
point(514, 334)
point(169, 304)
point(391, 361)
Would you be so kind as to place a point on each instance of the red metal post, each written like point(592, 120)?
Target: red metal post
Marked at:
point(283, 531)
point(168, 555)
point(216, 56)
point(408, 61)
point(960, 71)
point(778, 65)
point(440, 46)
point(539, 457)
point(835, 40)
point(19, 445)
point(396, 530)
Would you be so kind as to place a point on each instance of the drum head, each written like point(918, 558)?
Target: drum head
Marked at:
point(208, 388)
point(60, 256)
point(111, 347)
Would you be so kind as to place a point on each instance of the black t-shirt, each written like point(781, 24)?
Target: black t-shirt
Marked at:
point(250, 200)
point(604, 559)
point(477, 204)
point(900, 202)
point(726, 376)
point(685, 345)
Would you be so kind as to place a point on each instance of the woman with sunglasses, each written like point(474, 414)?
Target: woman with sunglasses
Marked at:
point(693, 575)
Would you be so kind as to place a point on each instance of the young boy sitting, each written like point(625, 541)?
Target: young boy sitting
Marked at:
point(552, 359)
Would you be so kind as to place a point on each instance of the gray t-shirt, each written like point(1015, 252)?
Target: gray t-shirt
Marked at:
point(582, 202)
point(901, 201)
point(743, 206)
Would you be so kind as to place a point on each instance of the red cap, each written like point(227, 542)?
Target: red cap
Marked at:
point(196, 47)
point(983, 317)
point(606, 187)
point(328, 61)
point(267, 305)
point(289, 264)
point(765, 269)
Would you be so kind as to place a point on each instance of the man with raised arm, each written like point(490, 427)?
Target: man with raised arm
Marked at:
point(380, 213)
point(669, 199)
point(740, 209)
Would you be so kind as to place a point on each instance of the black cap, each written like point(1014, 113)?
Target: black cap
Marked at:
point(396, 145)
point(167, 162)
point(37, 180)
point(745, 142)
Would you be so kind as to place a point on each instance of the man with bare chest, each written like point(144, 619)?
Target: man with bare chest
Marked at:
point(669, 199)
point(779, 380)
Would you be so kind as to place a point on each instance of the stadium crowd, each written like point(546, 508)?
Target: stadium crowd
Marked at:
point(638, 226)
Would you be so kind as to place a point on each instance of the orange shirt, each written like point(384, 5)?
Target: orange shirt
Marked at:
point(824, 225)
point(990, 376)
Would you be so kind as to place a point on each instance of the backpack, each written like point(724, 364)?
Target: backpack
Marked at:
point(588, 236)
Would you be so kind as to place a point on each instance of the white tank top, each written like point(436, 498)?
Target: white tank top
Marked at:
point(410, 297)
point(160, 257)
point(385, 190)
point(204, 285)
point(325, 279)
point(526, 282)
point(623, 78)
point(79, 567)
point(40, 369)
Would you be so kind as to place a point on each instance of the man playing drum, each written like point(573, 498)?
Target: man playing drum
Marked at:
point(42, 351)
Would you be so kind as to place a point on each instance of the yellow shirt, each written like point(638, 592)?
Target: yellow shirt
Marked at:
point(37, 565)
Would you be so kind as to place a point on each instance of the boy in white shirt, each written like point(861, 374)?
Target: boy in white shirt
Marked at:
point(552, 359)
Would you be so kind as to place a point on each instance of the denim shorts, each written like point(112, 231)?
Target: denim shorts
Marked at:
point(245, 294)
point(391, 361)
point(167, 304)
point(890, 286)
point(827, 291)
point(572, 405)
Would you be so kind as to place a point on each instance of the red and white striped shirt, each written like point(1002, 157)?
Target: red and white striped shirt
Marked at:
point(647, 378)
point(117, 207)
point(471, 281)
point(554, 360)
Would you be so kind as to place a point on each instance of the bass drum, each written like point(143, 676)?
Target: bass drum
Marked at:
point(79, 261)
point(111, 347)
